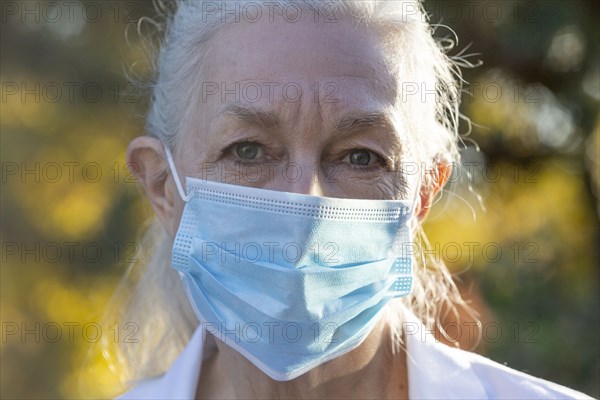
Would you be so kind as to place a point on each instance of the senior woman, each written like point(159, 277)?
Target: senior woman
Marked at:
point(290, 161)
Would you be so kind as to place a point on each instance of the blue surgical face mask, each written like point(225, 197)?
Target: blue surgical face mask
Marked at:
point(288, 280)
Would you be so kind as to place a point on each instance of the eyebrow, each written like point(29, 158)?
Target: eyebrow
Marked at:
point(381, 122)
point(365, 121)
point(252, 116)
point(348, 124)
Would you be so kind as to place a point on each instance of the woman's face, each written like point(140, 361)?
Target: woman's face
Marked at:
point(301, 107)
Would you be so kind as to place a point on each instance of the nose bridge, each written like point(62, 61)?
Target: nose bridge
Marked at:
point(302, 178)
point(304, 141)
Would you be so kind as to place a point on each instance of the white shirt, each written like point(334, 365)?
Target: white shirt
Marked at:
point(435, 371)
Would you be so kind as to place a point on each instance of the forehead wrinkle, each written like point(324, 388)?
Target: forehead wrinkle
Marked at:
point(252, 115)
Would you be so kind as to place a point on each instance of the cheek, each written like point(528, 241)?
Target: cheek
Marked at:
point(381, 186)
point(258, 175)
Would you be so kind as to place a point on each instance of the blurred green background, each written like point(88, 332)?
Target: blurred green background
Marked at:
point(71, 212)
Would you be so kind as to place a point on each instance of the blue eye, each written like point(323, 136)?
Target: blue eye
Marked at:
point(247, 150)
point(360, 157)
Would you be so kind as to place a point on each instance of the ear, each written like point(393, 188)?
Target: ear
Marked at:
point(434, 182)
point(147, 161)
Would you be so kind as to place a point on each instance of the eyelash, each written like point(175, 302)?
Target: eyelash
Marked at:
point(370, 168)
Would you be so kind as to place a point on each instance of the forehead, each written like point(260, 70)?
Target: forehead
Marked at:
point(305, 47)
point(335, 63)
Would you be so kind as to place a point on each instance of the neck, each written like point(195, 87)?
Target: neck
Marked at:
point(372, 370)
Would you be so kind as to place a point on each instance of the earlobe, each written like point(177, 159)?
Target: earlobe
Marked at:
point(432, 184)
point(146, 159)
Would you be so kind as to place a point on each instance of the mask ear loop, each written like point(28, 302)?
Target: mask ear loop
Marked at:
point(171, 163)
point(414, 222)
point(415, 196)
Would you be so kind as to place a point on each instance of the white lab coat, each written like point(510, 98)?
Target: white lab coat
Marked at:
point(435, 371)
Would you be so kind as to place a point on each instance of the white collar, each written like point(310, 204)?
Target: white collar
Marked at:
point(435, 371)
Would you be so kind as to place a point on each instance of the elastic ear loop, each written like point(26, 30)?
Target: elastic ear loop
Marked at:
point(413, 223)
point(184, 196)
point(413, 204)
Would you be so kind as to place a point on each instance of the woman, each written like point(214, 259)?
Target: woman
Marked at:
point(290, 162)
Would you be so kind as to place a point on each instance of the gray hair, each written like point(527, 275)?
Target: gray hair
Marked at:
point(151, 294)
